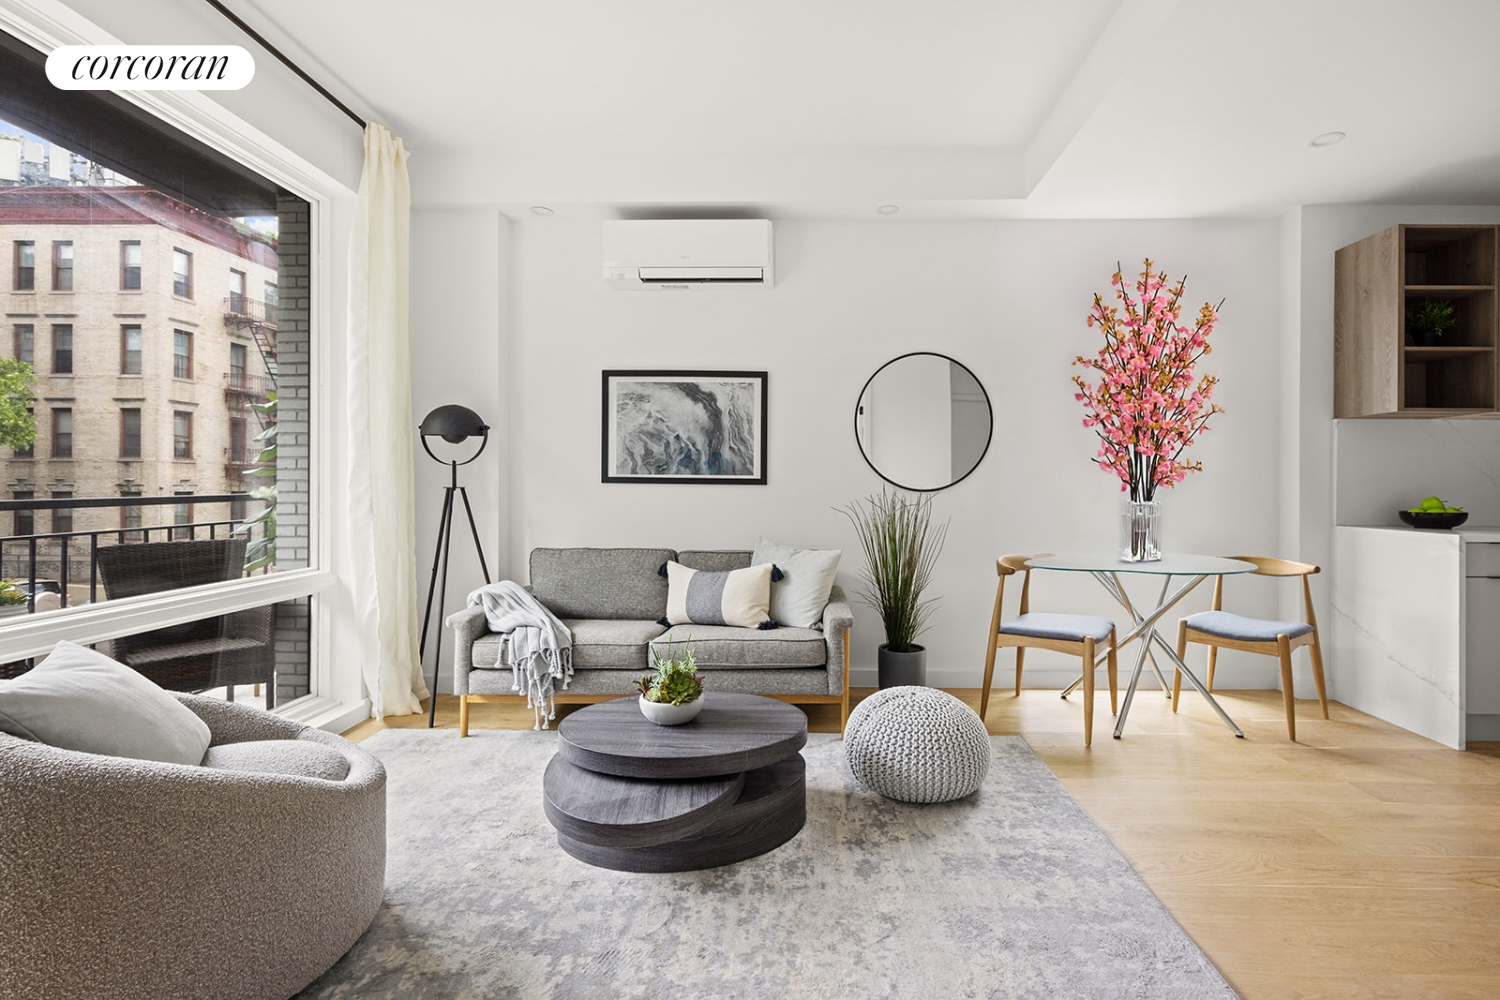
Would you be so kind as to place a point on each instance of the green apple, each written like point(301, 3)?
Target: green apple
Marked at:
point(1433, 503)
point(1453, 510)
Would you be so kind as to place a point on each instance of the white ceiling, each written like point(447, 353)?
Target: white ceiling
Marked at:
point(947, 108)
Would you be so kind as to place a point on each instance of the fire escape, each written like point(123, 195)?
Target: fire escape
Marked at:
point(241, 388)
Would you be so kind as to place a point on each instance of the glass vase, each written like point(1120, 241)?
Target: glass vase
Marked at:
point(1140, 531)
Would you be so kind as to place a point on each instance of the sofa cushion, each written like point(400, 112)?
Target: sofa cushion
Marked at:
point(715, 559)
point(740, 597)
point(80, 699)
point(720, 646)
point(600, 583)
point(598, 644)
point(799, 597)
point(300, 758)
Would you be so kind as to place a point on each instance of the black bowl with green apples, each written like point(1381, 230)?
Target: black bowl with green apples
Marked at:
point(1434, 512)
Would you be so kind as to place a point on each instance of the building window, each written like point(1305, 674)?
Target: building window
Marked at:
point(62, 517)
point(271, 298)
point(62, 266)
point(130, 433)
point(130, 265)
point(25, 343)
point(237, 366)
point(30, 450)
point(25, 266)
point(130, 520)
point(182, 434)
point(237, 292)
point(182, 354)
point(237, 441)
point(182, 515)
point(62, 348)
point(130, 350)
point(25, 519)
point(62, 433)
point(239, 508)
point(182, 273)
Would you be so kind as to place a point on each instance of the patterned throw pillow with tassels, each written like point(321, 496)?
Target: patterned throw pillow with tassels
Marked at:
point(738, 597)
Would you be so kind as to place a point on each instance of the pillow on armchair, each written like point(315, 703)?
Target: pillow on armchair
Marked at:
point(800, 595)
point(80, 699)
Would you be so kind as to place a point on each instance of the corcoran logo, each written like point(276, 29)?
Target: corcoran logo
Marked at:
point(150, 67)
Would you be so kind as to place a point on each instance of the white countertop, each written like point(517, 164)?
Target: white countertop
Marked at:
point(1469, 533)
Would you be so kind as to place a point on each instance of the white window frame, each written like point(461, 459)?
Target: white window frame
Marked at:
point(338, 700)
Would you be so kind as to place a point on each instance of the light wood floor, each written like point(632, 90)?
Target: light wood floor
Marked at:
point(1361, 861)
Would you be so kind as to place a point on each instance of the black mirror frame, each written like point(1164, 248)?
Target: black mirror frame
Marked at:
point(988, 405)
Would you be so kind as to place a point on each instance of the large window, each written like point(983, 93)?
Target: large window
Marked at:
point(237, 366)
point(130, 518)
point(25, 276)
point(237, 291)
point(62, 348)
point(25, 519)
point(130, 350)
point(182, 518)
point(182, 434)
point(62, 265)
point(130, 433)
point(130, 265)
point(62, 517)
point(272, 296)
point(182, 273)
point(237, 451)
point(62, 433)
point(182, 354)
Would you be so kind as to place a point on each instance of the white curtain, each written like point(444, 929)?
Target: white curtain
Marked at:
point(382, 500)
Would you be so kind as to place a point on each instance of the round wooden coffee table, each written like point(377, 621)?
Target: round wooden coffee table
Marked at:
point(627, 794)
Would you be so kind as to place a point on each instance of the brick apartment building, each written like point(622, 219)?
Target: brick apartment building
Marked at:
point(151, 326)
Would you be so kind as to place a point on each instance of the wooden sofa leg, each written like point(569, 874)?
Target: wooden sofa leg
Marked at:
point(463, 715)
point(844, 705)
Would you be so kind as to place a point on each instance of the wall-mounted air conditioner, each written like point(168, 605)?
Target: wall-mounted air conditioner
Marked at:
point(681, 254)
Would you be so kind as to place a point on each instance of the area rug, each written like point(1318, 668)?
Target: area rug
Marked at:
point(1011, 892)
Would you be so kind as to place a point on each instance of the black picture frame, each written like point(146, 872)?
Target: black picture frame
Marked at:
point(679, 426)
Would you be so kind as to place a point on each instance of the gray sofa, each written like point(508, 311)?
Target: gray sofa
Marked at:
point(611, 600)
point(134, 878)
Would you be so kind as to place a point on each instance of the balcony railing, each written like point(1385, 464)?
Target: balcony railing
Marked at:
point(243, 384)
point(29, 560)
point(242, 309)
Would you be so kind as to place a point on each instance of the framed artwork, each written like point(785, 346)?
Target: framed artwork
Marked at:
point(684, 427)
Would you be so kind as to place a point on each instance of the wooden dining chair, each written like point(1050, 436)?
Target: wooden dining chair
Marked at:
point(1218, 629)
point(1075, 634)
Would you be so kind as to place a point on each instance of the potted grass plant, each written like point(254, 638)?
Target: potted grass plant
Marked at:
point(673, 694)
point(901, 546)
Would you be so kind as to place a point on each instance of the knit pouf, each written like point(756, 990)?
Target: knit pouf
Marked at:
point(917, 744)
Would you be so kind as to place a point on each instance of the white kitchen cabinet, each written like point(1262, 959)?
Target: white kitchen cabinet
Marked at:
point(1482, 642)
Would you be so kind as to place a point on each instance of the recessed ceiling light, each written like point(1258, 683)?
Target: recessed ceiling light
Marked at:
point(888, 209)
point(540, 210)
point(1327, 139)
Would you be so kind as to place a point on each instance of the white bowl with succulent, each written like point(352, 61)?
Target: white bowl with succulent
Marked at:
point(674, 693)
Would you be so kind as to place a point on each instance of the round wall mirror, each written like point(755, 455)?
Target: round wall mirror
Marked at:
point(923, 421)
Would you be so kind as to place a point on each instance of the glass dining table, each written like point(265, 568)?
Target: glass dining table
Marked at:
point(1107, 569)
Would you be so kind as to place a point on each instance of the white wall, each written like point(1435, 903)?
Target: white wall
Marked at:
point(1008, 299)
point(459, 352)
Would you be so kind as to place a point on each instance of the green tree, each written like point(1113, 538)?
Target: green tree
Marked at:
point(17, 422)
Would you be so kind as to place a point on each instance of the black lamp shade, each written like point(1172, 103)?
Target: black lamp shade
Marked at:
point(453, 423)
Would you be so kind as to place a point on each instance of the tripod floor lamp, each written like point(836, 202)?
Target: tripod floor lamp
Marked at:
point(454, 424)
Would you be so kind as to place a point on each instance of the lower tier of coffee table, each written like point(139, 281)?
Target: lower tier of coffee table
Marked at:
point(771, 809)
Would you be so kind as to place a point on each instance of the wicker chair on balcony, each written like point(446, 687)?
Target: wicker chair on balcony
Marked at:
point(195, 656)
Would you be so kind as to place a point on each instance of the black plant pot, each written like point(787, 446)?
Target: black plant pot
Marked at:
point(1424, 338)
point(898, 669)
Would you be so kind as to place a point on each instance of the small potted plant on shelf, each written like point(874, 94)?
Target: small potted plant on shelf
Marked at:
point(1428, 319)
point(901, 546)
point(674, 693)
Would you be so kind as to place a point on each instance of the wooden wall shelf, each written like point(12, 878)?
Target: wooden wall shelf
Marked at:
point(1381, 368)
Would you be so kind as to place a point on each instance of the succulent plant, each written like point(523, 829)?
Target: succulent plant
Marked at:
point(676, 680)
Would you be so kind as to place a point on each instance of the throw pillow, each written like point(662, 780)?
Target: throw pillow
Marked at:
point(80, 699)
point(799, 597)
point(740, 597)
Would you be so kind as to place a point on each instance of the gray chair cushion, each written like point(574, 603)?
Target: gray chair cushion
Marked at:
point(717, 646)
point(298, 758)
point(714, 560)
point(80, 699)
point(598, 644)
point(1073, 628)
point(1228, 626)
point(601, 583)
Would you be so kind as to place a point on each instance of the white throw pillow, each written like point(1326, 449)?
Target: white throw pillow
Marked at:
point(799, 597)
point(80, 699)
